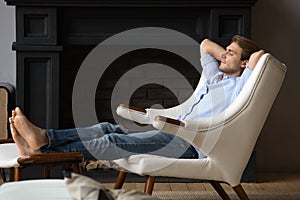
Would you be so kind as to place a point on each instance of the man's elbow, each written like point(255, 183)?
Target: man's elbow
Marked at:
point(204, 43)
point(203, 47)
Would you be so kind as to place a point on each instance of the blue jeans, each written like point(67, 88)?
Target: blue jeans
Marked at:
point(105, 141)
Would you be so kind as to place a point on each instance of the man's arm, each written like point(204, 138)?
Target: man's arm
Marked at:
point(254, 59)
point(209, 47)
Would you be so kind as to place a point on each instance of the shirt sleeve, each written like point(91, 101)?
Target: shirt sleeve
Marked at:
point(210, 66)
point(243, 79)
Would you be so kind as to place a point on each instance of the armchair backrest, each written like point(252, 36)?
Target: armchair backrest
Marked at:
point(232, 137)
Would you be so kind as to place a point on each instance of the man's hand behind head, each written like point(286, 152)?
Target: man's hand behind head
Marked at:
point(254, 59)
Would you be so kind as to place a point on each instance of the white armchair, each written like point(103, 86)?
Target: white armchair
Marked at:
point(227, 139)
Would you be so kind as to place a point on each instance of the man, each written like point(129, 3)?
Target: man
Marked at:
point(226, 72)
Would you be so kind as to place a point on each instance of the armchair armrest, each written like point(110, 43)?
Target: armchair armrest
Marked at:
point(8, 140)
point(186, 131)
point(133, 113)
point(144, 116)
point(10, 157)
point(168, 125)
point(133, 108)
point(169, 121)
point(70, 159)
point(47, 157)
point(51, 158)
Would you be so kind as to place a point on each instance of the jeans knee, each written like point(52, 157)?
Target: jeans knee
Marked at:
point(104, 125)
point(109, 128)
point(110, 138)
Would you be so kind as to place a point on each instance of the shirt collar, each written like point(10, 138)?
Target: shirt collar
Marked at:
point(222, 77)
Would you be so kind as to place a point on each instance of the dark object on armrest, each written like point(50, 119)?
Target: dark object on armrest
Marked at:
point(133, 108)
point(170, 120)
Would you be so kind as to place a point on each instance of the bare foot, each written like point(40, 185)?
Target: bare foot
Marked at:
point(34, 136)
point(17, 138)
point(24, 148)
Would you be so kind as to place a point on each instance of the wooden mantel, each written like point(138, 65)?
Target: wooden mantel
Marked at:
point(136, 3)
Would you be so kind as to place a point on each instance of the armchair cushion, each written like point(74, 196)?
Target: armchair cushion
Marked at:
point(9, 155)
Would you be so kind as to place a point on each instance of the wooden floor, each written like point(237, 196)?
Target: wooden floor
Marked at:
point(271, 182)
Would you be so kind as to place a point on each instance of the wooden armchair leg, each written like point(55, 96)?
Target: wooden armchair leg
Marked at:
point(149, 184)
point(120, 180)
point(241, 192)
point(17, 173)
point(217, 186)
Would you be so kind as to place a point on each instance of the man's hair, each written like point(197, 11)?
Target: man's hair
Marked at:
point(248, 46)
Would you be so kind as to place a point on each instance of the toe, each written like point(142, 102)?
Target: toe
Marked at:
point(18, 111)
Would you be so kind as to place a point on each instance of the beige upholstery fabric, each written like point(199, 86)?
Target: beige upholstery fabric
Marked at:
point(227, 139)
point(9, 155)
point(3, 113)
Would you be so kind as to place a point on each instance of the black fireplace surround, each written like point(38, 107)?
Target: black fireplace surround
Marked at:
point(54, 36)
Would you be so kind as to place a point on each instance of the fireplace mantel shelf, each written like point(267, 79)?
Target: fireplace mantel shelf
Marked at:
point(135, 3)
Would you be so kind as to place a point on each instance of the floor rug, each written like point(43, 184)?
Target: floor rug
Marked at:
point(211, 195)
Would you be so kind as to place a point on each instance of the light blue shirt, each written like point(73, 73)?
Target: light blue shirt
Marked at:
point(216, 94)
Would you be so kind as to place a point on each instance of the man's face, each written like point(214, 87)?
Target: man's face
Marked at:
point(231, 63)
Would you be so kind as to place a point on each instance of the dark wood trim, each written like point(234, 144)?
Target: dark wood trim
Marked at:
point(52, 158)
point(121, 179)
point(47, 161)
point(43, 70)
point(31, 48)
point(36, 25)
point(149, 184)
point(217, 186)
point(132, 3)
point(17, 173)
point(170, 121)
point(9, 140)
point(241, 192)
point(133, 108)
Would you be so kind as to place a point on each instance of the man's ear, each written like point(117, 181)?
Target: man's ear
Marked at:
point(244, 63)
